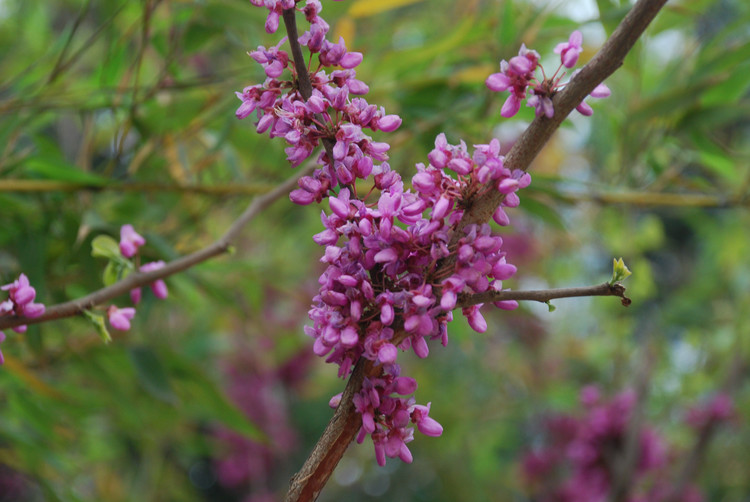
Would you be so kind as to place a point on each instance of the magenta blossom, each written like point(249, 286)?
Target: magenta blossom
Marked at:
point(20, 302)
point(273, 60)
point(120, 318)
point(130, 241)
point(517, 76)
point(158, 287)
point(382, 254)
point(570, 50)
point(600, 91)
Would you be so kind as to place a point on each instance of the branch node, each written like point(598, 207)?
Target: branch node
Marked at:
point(617, 289)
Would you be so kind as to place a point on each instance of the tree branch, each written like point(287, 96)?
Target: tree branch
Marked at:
point(320, 464)
point(544, 295)
point(137, 279)
point(609, 58)
point(306, 485)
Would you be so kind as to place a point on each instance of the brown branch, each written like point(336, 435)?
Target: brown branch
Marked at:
point(77, 306)
point(544, 295)
point(303, 78)
point(314, 474)
point(307, 484)
point(609, 58)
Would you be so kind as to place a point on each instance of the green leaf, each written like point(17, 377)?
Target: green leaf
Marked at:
point(714, 158)
point(115, 63)
point(110, 274)
point(104, 246)
point(101, 327)
point(730, 91)
point(364, 8)
point(202, 398)
point(56, 169)
point(508, 29)
point(205, 400)
point(151, 374)
point(542, 211)
point(620, 271)
point(550, 307)
point(116, 271)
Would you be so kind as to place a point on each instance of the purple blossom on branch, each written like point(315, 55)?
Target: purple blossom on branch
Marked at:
point(386, 287)
point(518, 76)
point(119, 318)
point(570, 50)
point(158, 287)
point(20, 302)
point(130, 241)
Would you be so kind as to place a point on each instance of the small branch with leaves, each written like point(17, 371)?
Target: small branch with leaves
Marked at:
point(139, 279)
point(545, 295)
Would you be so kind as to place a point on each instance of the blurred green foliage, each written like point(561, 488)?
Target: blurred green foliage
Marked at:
point(123, 112)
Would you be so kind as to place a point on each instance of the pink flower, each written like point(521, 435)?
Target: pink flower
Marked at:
point(158, 287)
point(426, 424)
point(273, 60)
point(387, 353)
point(130, 241)
point(20, 291)
point(475, 318)
point(21, 301)
point(120, 318)
point(570, 50)
point(389, 123)
point(515, 75)
point(600, 91)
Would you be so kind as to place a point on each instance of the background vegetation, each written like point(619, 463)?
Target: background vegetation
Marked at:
point(123, 112)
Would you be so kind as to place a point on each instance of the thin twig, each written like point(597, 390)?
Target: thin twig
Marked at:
point(138, 279)
point(544, 295)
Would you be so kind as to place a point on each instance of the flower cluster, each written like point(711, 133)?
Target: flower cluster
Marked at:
point(386, 417)
point(332, 113)
point(395, 265)
point(579, 461)
point(397, 258)
point(130, 241)
point(518, 76)
point(20, 303)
